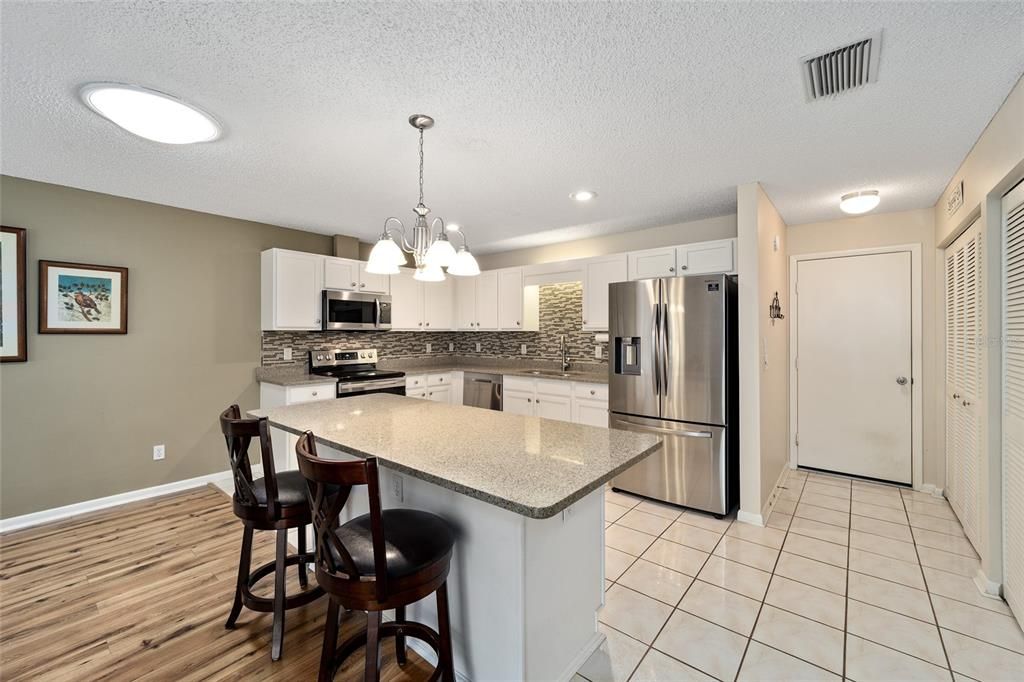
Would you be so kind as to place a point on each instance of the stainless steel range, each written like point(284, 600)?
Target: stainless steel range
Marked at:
point(356, 372)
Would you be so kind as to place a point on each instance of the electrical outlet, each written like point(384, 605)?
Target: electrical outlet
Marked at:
point(429, 345)
point(522, 349)
point(158, 452)
point(451, 346)
point(396, 488)
point(597, 352)
point(477, 346)
point(287, 353)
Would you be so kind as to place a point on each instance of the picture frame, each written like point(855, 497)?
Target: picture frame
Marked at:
point(79, 298)
point(13, 329)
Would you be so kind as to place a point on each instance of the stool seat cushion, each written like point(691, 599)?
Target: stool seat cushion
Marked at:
point(413, 540)
point(291, 489)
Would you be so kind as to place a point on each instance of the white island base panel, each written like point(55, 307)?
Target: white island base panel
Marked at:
point(523, 593)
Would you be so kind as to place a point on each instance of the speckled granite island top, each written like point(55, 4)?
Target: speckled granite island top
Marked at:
point(531, 466)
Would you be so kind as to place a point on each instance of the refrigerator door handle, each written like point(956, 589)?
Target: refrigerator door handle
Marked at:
point(665, 348)
point(656, 338)
point(674, 432)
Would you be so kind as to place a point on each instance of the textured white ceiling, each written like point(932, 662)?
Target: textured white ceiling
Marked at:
point(662, 108)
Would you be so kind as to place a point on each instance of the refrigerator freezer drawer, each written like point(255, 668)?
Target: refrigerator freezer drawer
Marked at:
point(690, 470)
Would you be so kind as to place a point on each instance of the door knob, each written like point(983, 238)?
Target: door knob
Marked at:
point(902, 381)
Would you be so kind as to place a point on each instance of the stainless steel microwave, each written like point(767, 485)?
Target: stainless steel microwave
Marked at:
point(355, 311)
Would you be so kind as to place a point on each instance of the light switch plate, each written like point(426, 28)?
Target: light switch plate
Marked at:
point(397, 488)
point(287, 352)
point(429, 345)
point(522, 349)
point(477, 346)
point(597, 352)
point(451, 346)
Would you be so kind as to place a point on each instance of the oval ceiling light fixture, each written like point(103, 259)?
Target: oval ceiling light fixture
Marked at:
point(150, 114)
point(583, 195)
point(859, 202)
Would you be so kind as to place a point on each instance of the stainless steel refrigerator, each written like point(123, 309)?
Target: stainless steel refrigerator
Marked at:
point(673, 372)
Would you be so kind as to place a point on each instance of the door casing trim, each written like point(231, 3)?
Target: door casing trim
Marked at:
point(916, 348)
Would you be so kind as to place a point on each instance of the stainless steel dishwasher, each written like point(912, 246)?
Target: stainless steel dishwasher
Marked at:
point(482, 390)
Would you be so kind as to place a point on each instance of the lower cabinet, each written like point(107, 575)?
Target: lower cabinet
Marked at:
point(273, 395)
point(436, 386)
point(568, 401)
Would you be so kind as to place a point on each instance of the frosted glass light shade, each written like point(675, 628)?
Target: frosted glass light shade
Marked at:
point(385, 257)
point(859, 202)
point(429, 273)
point(150, 114)
point(440, 254)
point(464, 264)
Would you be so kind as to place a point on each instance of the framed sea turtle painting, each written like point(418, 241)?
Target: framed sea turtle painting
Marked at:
point(13, 346)
point(75, 298)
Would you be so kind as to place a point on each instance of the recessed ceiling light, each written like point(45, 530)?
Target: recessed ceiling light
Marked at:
point(859, 202)
point(150, 114)
point(583, 195)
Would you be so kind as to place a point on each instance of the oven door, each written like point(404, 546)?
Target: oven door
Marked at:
point(352, 310)
point(394, 386)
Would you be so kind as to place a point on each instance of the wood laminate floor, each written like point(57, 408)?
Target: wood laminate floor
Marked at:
point(141, 592)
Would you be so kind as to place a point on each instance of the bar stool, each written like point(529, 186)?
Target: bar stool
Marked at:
point(275, 502)
point(386, 559)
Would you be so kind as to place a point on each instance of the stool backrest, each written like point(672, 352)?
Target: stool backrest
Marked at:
point(238, 434)
point(330, 484)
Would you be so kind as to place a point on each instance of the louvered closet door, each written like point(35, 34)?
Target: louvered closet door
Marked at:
point(1013, 399)
point(963, 378)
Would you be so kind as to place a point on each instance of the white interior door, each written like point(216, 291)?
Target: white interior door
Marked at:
point(964, 393)
point(1013, 400)
point(854, 359)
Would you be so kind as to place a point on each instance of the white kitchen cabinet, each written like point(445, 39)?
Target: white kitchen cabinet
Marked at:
point(486, 300)
point(510, 299)
point(517, 402)
point(598, 274)
point(554, 407)
point(590, 404)
point(415, 382)
point(370, 283)
point(406, 302)
point(290, 287)
point(651, 263)
point(706, 257)
point(341, 274)
point(439, 305)
point(465, 303)
point(440, 394)
point(274, 395)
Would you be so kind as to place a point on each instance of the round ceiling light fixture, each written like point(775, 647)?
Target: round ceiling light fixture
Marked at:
point(150, 114)
point(859, 202)
point(583, 195)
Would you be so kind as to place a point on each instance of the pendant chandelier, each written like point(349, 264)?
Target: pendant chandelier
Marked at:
point(430, 251)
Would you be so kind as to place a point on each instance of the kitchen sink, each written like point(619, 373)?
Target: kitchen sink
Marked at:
point(553, 373)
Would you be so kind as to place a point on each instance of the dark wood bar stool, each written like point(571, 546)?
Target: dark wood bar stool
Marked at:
point(386, 559)
point(274, 502)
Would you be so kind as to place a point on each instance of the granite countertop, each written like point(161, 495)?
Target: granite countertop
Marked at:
point(290, 375)
point(531, 466)
point(298, 375)
point(589, 372)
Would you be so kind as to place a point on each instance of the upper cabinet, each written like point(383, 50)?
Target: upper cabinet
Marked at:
point(421, 306)
point(290, 286)
point(351, 275)
point(510, 298)
point(476, 302)
point(465, 303)
point(598, 274)
point(699, 258)
point(652, 263)
point(702, 258)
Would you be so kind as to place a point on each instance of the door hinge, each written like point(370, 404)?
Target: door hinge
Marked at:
point(796, 440)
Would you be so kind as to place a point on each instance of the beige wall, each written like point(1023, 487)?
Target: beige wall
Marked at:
point(722, 227)
point(763, 349)
point(895, 229)
point(79, 419)
point(994, 165)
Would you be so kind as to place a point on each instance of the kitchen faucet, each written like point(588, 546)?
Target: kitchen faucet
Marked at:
point(564, 351)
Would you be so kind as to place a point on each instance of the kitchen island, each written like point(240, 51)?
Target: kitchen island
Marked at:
point(525, 495)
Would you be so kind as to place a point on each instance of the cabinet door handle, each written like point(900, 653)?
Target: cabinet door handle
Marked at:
point(315, 394)
point(428, 324)
point(517, 323)
point(671, 269)
point(420, 323)
point(529, 400)
point(353, 283)
point(362, 284)
point(956, 396)
point(538, 401)
point(593, 392)
point(966, 403)
point(683, 267)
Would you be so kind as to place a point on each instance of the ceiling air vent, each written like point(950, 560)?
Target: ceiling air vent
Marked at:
point(845, 68)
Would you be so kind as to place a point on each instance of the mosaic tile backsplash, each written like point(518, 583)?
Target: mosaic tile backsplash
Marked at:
point(561, 312)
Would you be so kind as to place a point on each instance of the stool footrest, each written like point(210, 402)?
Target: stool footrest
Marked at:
point(419, 631)
point(266, 604)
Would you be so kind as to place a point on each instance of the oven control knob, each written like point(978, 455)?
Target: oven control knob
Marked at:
point(362, 355)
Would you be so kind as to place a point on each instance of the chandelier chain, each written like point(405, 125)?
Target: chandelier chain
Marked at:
point(421, 165)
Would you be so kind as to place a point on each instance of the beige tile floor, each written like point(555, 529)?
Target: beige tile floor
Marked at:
point(849, 580)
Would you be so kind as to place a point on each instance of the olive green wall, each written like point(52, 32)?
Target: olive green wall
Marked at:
point(79, 420)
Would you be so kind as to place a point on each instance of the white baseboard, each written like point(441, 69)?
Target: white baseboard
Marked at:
point(988, 588)
point(747, 517)
point(79, 508)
